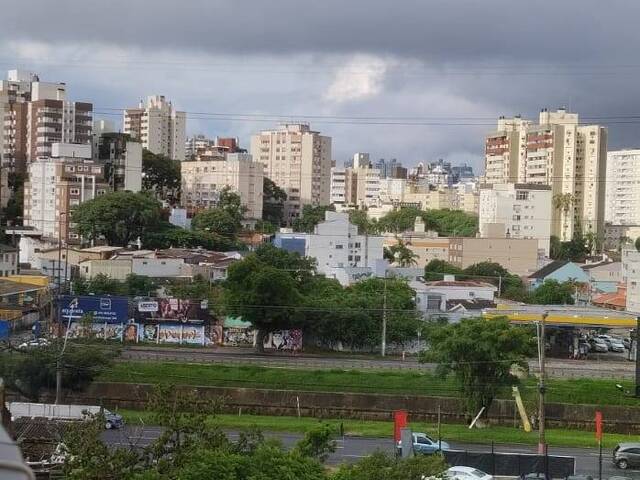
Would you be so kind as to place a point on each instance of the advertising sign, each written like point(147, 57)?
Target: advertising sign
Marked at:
point(148, 306)
point(103, 309)
point(172, 310)
point(193, 334)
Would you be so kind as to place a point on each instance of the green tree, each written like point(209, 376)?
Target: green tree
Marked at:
point(119, 217)
point(637, 244)
point(399, 220)
point(273, 199)
point(317, 443)
point(30, 372)
point(552, 292)
point(15, 205)
point(451, 223)
point(166, 235)
point(217, 221)
point(563, 202)
point(265, 288)
point(161, 175)
point(360, 219)
point(511, 286)
point(140, 285)
point(231, 202)
point(400, 254)
point(436, 269)
point(555, 247)
point(382, 466)
point(311, 216)
point(479, 353)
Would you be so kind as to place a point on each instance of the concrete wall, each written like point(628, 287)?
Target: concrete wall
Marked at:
point(361, 406)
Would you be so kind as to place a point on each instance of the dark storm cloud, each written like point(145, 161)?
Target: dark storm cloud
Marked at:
point(436, 30)
point(402, 58)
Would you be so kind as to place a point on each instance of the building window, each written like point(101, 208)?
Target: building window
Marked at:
point(339, 247)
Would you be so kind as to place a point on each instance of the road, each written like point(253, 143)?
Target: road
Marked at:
point(350, 449)
point(602, 367)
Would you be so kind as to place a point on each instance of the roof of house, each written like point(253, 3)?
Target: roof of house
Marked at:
point(616, 299)
point(590, 266)
point(549, 269)
point(7, 287)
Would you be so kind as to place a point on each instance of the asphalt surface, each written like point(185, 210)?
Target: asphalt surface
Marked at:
point(604, 366)
point(351, 449)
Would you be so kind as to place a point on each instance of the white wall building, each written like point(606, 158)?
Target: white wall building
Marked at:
point(516, 211)
point(204, 177)
point(622, 187)
point(158, 126)
point(631, 278)
point(432, 297)
point(298, 160)
point(392, 190)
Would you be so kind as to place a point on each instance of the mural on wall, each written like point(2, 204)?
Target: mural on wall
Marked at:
point(239, 337)
point(290, 340)
point(172, 310)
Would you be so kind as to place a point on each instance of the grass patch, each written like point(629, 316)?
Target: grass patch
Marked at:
point(572, 391)
point(380, 429)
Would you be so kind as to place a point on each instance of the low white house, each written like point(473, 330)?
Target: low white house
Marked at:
point(453, 296)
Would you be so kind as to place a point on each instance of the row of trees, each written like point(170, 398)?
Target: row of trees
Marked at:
point(193, 447)
point(275, 289)
point(445, 222)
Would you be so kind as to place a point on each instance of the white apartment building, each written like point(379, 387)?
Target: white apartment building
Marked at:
point(561, 153)
point(355, 187)
point(298, 160)
point(631, 277)
point(339, 250)
point(193, 145)
point(58, 184)
point(158, 126)
point(622, 187)
point(205, 176)
point(361, 160)
point(392, 190)
point(516, 211)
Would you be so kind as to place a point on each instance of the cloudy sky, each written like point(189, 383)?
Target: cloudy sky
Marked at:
point(412, 79)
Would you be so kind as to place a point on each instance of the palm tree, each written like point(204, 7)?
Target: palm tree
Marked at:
point(564, 202)
point(403, 255)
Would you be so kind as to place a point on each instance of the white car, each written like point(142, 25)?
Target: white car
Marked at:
point(40, 342)
point(466, 473)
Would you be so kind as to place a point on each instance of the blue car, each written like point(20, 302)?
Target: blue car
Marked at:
point(424, 444)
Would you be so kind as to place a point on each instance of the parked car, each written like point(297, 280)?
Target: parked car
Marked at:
point(535, 476)
point(626, 455)
point(627, 343)
point(466, 473)
point(616, 346)
point(605, 338)
point(599, 346)
point(424, 444)
point(39, 342)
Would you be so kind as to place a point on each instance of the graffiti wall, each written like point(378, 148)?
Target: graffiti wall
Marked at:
point(239, 337)
point(290, 340)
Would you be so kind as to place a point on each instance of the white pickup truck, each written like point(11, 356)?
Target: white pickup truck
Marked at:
point(69, 413)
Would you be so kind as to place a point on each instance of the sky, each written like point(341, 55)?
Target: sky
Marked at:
point(415, 80)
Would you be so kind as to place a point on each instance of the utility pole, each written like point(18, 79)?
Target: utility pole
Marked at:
point(59, 360)
point(541, 387)
point(637, 339)
point(384, 317)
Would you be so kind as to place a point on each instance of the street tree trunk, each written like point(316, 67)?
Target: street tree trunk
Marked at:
point(260, 336)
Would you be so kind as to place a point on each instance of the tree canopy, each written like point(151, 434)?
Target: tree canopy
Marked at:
point(574, 250)
point(310, 217)
point(552, 292)
point(119, 217)
point(401, 255)
point(273, 198)
point(161, 175)
point(436, 269)
point(479, 353)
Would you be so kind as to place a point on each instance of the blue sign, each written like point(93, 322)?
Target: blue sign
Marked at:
point(4, 329)
point(102, 309)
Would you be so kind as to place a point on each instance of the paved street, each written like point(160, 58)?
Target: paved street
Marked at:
point(600, 367)
point(350, 449)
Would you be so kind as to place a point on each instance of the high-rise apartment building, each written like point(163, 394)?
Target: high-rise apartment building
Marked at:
point(58, 184)
point(198, 144)
point(122, 158)
point(204, 176)
point(357, 186)
point(298, 160)
point(158, 126)
point(391, 169)
point(36, 115)
point(561, 153)
point(509, 210)
point(623, 187)
point(361, 160)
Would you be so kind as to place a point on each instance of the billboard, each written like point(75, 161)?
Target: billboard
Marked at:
point(104, 309)
point(172, 310)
